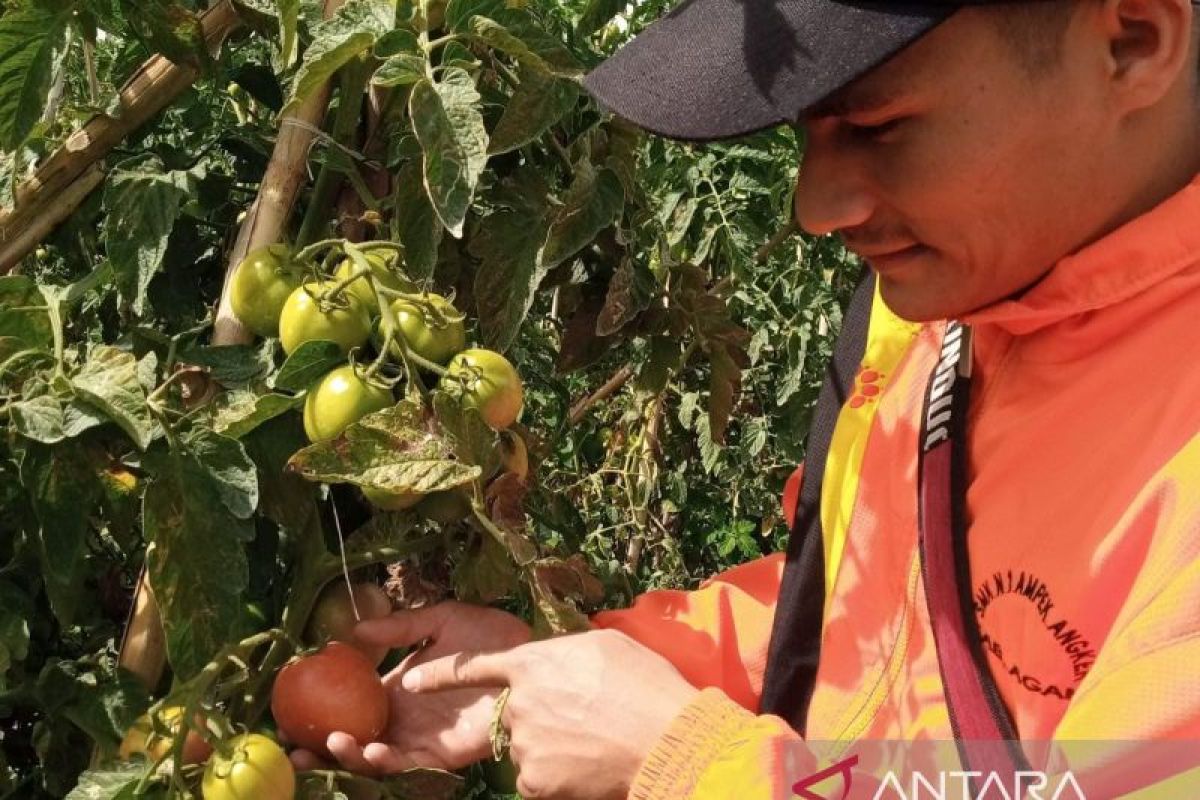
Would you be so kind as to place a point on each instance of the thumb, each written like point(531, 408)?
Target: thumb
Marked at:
point(404, 628)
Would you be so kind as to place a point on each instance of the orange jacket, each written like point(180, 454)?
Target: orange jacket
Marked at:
point(1084, 510)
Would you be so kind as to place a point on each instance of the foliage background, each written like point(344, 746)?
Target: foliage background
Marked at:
point(640, 483)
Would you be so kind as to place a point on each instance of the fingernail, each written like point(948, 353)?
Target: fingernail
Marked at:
point(411, 680)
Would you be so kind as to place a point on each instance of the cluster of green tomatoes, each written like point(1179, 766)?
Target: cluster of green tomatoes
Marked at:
point(355, 297)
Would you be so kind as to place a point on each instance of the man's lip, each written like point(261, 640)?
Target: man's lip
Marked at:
point(883, 259)
point(880, 252)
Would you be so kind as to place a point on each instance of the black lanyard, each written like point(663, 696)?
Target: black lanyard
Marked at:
point(983, 729)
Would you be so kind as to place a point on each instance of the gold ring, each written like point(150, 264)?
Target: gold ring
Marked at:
point(498, 735)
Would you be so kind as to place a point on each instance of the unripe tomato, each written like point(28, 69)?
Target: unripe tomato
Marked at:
point(253, 768)
point(344, 321)
point(433, 336)
point(391, 501)
point(260, 286)
point(142, 738)
point(340, 399)
point(514, 455)
point(333, 616)
point(445, 507)
point(381, 270)
point(334, 689)
point(490, 384)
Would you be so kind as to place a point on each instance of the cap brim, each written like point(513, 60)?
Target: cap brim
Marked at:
point(713, 69)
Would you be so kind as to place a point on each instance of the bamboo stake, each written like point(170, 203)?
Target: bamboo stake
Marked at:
point(156, 83)
point(143, 650)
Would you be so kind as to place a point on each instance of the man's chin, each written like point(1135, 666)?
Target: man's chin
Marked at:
point(919, 302)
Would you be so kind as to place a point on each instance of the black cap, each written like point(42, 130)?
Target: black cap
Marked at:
point(711, 69)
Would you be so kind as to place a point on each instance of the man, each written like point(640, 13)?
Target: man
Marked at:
point(1029, 169)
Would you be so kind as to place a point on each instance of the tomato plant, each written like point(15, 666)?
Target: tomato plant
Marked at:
point(316, 311)
point(657, 328)
point(489, 384)
point(333, 618)
point(339, 399)
point(251, 767)
point(334, 689)
point(261, 284)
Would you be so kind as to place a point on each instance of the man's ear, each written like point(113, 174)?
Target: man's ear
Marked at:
point(1149, 48)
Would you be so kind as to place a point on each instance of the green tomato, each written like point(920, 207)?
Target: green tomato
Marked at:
point(446, 508)
point(261, 285)
point(490, 384)
point(249, 767)
point(434, 332)
point(381, 262)
point(340, 399)
point(391, 501)
point(345, 321)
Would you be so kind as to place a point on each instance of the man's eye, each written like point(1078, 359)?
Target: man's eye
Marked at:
point(875, 130)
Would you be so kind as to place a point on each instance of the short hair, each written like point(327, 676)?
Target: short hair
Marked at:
point(1034, 30)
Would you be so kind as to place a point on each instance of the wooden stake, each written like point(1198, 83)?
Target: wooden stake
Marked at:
point(156, 83)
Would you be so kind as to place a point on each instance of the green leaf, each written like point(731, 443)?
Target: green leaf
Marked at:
point(115, 781)
point(448, 122)
point(390, 450)
point(474, 442)
point(32, 36)
point(400, 70)
point(509, 248)
point(232, 365)
point(237, 413)
point(596, 14)
point(593, 202)
point(196, 557)
point(169, 28)
point(15, 610)
point(289, 22)
point(231, 471)
point(63, 488)
point(142, 201)
point(39, 419)
point(307, 363)
point(24, 315)
point(498, 37)
point(540, 100)
point(486, 575)
point(109, 382)
point(724, 382)
point(351, 31)
point(417, 226)
point(287, 499)
point(395, 42)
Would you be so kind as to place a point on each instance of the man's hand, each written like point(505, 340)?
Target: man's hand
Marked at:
point(585, 709)
point(447, 730)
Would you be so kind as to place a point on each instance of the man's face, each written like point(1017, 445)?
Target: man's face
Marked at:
point(958, 176)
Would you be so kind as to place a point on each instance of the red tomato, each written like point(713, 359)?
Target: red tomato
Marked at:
point(334, 689)
point(791, 495)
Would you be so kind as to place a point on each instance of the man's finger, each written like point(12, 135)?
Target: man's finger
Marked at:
point(459, 671)
point(305, 760)
point(388, 759)
point(345, 749)
point(404, 628)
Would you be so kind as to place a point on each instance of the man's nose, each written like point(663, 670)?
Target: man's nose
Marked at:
point(831, 193)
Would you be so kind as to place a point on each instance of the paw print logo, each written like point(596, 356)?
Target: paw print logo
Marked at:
point(867, 386)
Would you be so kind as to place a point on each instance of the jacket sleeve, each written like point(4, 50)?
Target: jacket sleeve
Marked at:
point(716, 635)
